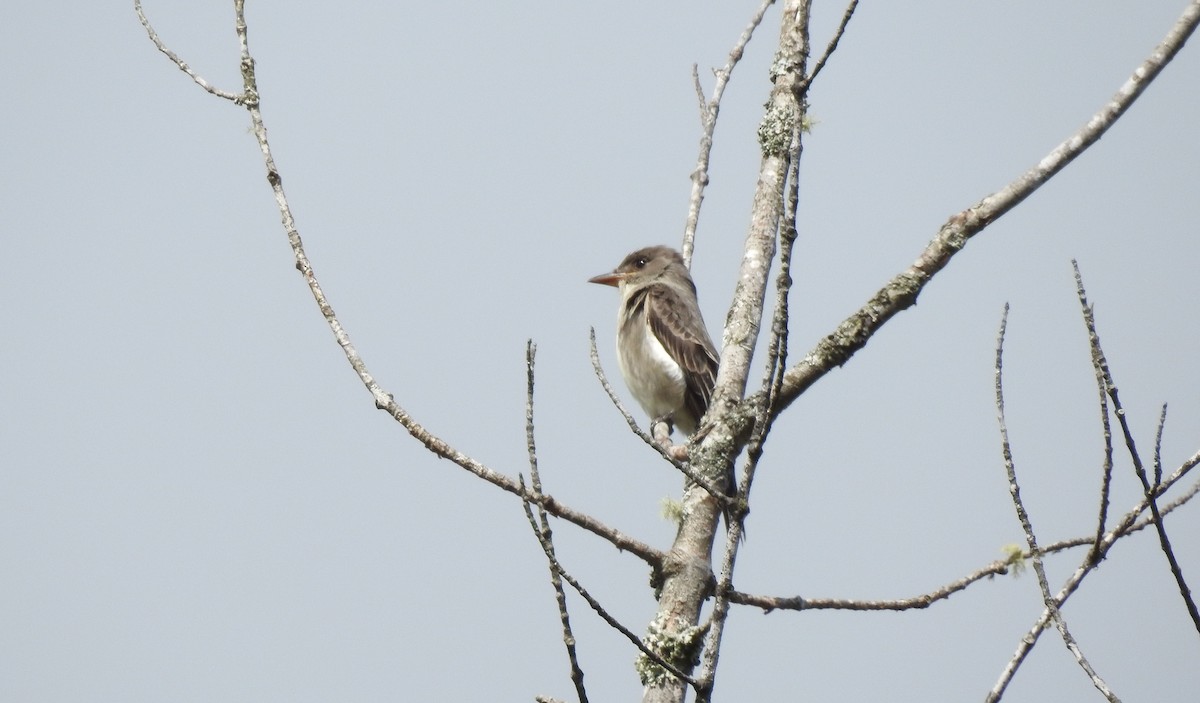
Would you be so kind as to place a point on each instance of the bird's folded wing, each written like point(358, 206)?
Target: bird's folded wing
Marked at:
point(681, 332)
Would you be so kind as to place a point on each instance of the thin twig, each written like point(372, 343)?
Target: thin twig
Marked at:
point(832, 46)
point(999, 567)
point(384, 400)
point(708, 124)
point(1014, 489)
point(1106, 427)
point(235, 98)
point(602, 612)
point(1124, 527)
point(1158, 435)
point(541, 528)
point(1139, 468)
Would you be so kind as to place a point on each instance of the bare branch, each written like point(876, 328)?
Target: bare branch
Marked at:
point(1127, 524)
point(1102, 368)
point(1102, 387)
point(541, 528)
point(715, 454)
point(833, 44)
point(1158, 435)
point(235, 98)
point(769, 603)
point(901, 292)
point(1027, 526)
point(708, 123)
point(384, 400)
point(764, 418)
point(557, 567)
point(996, 568)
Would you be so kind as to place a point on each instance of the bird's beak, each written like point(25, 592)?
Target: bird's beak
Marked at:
point(608, 279)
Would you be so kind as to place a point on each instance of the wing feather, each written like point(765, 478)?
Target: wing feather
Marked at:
point(683, 335)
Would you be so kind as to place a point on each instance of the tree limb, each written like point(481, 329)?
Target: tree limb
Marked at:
point(901, 292)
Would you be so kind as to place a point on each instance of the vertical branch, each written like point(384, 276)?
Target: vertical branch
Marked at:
point(784, 110)
point(541, 528)
point(778, 139)
point(1162, 422)
point(764, 417)
point(708, 124)
point(1102, 387)
point(1035, 553)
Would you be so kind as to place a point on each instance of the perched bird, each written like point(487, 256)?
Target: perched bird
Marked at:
point(667, 359)
point(666, 356)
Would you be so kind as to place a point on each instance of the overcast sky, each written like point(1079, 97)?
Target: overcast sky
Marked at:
point(199, 501)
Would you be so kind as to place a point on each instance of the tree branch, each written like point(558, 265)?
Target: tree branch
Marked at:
point(708, 124)
point(541, 529)
point(384, 400)
point(1014, 489)
point(1124, 527)
point(996, 568)
point(235, 98)
point(1100, 361)
point(684, 593)
point(832, 46)
point(901, 292)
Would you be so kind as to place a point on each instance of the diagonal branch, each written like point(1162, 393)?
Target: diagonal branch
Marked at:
point(684, 467)
point(384, 400)
point(543, 533)
point(901, 292)
point(832, 47)
point(1100, 361)
point(235, 98)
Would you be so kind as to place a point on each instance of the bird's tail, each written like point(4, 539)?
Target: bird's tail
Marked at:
point(731, 491)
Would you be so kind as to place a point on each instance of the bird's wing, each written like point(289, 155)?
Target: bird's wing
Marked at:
point(687, 341)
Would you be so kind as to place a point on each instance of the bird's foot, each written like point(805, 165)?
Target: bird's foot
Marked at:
point(660, 429)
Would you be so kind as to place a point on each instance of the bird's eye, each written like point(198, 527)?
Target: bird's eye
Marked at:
point(640, 263)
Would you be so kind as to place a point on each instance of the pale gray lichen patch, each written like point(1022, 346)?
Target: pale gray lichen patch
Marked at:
point(775, 130)
point(680, 648)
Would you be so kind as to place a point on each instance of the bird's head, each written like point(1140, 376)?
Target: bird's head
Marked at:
point(643, 266)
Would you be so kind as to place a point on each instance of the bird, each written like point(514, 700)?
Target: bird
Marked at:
point(666, 357)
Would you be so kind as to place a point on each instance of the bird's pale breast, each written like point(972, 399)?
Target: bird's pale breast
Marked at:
point(651, 375)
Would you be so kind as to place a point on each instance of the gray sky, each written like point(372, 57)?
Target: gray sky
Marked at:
point(199, 502)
